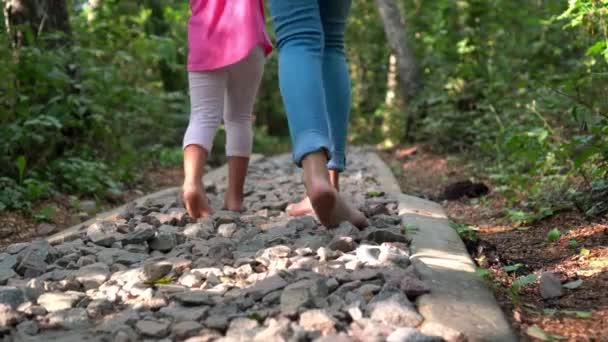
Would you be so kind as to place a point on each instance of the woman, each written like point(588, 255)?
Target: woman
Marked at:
point(314, 83)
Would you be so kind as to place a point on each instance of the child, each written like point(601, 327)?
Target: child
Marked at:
point(227, 44)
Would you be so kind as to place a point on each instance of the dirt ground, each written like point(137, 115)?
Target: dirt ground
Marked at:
point(19, 226)
point(581, 314)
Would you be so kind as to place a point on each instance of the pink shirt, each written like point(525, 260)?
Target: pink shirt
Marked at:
point(223, 32)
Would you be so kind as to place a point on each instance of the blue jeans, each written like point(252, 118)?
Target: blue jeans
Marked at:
point(313, 75)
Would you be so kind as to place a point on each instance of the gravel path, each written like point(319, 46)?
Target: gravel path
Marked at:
point(152, 273)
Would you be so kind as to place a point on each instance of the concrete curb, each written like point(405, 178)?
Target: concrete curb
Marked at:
point(459, 300)
point(71, 233)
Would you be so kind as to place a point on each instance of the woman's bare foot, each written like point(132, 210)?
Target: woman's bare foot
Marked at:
point(304, 207)
point(330, 208)
point(196, 201)
point(234, 203)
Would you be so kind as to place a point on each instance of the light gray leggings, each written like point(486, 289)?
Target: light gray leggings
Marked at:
point(230, 91)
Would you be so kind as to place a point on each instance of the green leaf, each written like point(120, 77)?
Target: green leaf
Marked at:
point(409, 228)
point(597, 48)
point(579, 314)
point(535, 331)
point(21, 163)
point(523, 281)
point(483, 272)
point(375, 193)
point(572, 243)
point(573, 284)
point(164, 280)
point(553, 235)
point(513, 268)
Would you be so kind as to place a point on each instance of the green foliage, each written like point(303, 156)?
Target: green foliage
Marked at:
point(513, 268)
point(465, 231)
point(520, 282)
point(553, 235)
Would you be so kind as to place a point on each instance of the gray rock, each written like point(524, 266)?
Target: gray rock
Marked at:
point(86, 260)
point(103, 233)
point(194, 298)
point(242, 329)
point(8, 316)
point(181, 313)
point(550, 286)
point(223, 216)
point(92, 276)
point(302, 294)
point(6, 269)
point(70, 319)
point(368, 254)
point(411, 335)
point(142, 233)
point(343, 244)
point(265, 286)
point(32, 262)
point(392, 307)
point(99, 308)
point(57, 301)
point(153, 328)
point(276, 330)
point(31, 310)
point(113, 323)
point(227, 230)
point(413, 287)
point(185, 329)
point(33, 289)
point(30, 328)
point(190, 280)
point(17, 247)
point(346, 229)
point(163, 242)
point(153, 271)
point(318, 320)
point(11, 296)
point(384, 235)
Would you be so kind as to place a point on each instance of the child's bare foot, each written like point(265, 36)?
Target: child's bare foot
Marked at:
point(196, 201)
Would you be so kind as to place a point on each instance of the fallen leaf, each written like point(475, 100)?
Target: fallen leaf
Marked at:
point(579, 314)
point(535, 331)
point(573, 284)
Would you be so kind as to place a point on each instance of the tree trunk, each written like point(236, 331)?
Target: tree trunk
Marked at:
point(395, 29)
point(37, 15)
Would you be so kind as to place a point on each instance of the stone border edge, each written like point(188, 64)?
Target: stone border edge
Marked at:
point(74, 231)
point(460, 302)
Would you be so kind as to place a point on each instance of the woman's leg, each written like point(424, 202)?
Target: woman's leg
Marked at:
point(243, 82)
point(207, 90)
point(336, 83)
point(300, 41)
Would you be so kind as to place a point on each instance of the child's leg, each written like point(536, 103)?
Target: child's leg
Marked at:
point(207, 92)
point(244, 79)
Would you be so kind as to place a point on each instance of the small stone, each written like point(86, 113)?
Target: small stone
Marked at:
point(86, 260)
point(332, 284)
point(265, 286)
point(346, 229)
point(304, 251)
point(413, 287)
point(326, 254)
point(45, 229)
point(550, 285)
point(343, 244)
point(142, 233)
point(57, 301)
point(92, 276)
point(153, 328)
point(30, 328)
point(224, 216)
point(6, 269)
point(276, 330)
point(205, 335)
point(152, 271)
point(103, 233)
point(17, 247)
point(411, 335)
point(181, 313)
point(217, 322)
point(318, 320)
point(301, 295)
point(194, 298)
point(227, 230)
point(99, 307)
point(34, 288)
point(11, 296)
point(392, 307)
point(383, 235)
point(32, 263)
point(31, 310)
point(69, 319)
point(163, 242)
point(186, 329)
point(242, 329)
point(8, 316)
point(368, 254)
point(190, 280)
